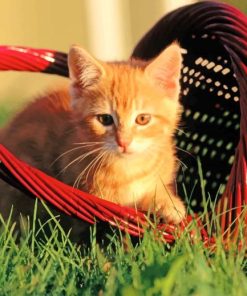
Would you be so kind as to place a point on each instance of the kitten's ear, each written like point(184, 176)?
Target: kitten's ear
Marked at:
point(84, 70)
point(164, 70)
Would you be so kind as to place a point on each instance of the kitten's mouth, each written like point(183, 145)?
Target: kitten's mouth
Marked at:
point(124, 151)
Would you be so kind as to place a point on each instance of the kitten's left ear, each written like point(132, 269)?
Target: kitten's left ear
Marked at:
point(84, 70)
point(164, 70)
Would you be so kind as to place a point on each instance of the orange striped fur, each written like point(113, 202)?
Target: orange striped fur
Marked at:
point(125, 162)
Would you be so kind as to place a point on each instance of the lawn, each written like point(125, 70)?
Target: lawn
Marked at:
point(53, 265)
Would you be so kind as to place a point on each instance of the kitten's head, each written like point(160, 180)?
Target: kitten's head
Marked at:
point(128, 107)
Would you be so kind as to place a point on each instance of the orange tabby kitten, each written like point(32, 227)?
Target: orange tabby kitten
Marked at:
point(110, 135)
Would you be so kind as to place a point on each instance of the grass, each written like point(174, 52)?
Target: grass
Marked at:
point(53, 265)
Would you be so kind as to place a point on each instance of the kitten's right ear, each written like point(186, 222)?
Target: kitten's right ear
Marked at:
point(164, 70)
point(84, 70)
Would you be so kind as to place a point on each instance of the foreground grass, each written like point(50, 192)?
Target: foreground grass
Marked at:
point(55, 266)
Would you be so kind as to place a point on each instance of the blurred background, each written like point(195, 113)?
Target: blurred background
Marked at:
point(109, 29)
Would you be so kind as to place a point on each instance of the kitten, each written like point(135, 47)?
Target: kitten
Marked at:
point(111, 134)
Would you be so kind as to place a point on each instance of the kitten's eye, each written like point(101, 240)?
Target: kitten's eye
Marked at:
point(143, 119)
point(105, 119)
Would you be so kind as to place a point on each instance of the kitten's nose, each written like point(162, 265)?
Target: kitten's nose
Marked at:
point(123, 143)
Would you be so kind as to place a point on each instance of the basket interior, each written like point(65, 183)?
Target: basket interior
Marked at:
point(209, 129)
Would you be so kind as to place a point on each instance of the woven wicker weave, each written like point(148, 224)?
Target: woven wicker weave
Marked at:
point(214, 94)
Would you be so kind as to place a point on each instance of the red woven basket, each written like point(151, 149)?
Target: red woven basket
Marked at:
point(215, 38)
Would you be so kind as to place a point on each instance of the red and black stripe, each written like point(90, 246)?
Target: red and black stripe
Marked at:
point(18, 58)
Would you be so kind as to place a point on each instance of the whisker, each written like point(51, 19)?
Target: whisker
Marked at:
point(91, 165)
point(82, 145)
point(94, 163)
point(103, 159)
point(66, 152)
point(182, 163)
point(77, 181)
point(79, 178)
point(87, 143)
point(181, 131)
point(186, 152)
point(80, 158)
